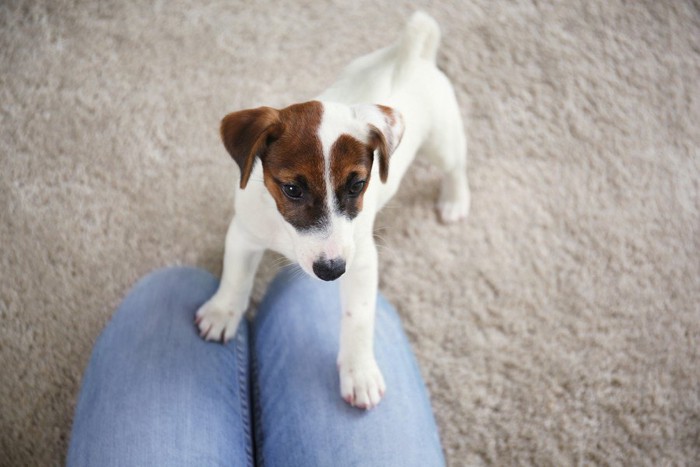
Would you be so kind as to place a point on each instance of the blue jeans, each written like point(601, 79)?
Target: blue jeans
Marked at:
point(155, 394)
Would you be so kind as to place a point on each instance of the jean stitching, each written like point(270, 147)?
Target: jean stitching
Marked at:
point(257, 409)
point(244, 393)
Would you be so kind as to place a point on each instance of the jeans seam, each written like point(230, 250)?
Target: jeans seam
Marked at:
point(257, 409)
point(244, 392)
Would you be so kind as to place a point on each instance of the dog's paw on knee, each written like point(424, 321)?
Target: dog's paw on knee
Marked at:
point(361, 383)
point(215, 323)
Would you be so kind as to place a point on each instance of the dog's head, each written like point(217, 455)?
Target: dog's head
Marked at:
point(317, 160)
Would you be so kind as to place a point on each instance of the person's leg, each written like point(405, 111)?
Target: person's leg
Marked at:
point(155, 393)
point(301, 419)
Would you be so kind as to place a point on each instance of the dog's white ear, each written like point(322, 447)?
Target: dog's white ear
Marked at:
point(385, 128)
point(246, 135)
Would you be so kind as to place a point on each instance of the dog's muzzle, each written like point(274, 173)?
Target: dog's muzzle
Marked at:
point(329, 269)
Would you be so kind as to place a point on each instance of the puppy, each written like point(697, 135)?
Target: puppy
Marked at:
point(327, 167)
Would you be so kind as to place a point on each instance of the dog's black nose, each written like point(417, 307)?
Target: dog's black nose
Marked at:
point(329, 269)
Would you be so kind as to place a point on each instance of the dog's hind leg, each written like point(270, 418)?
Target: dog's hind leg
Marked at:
point(446, 147)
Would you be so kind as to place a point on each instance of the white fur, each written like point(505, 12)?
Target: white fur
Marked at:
point(405, 78)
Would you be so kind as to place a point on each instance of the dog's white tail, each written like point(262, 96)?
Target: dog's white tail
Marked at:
point(420, 39)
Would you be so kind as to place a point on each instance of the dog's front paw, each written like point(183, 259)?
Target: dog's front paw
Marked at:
point(216, 322)
point(361, 382)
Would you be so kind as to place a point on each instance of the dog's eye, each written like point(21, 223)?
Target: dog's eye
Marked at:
point(356, 188)
point(292, 191)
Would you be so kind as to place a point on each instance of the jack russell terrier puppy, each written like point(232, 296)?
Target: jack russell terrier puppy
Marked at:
point(327, 166)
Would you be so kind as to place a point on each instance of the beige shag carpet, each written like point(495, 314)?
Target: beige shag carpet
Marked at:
point(560, 325)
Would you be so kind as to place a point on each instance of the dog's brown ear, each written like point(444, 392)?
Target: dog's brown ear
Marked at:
point(246, 135)
point(386, 129)
point(378, 142)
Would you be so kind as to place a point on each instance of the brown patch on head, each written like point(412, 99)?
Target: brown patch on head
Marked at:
point(296, 159)
point(287, 143)
point(351, 164)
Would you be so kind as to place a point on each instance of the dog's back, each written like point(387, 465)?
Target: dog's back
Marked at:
point(404, 76)
point(377, 76)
